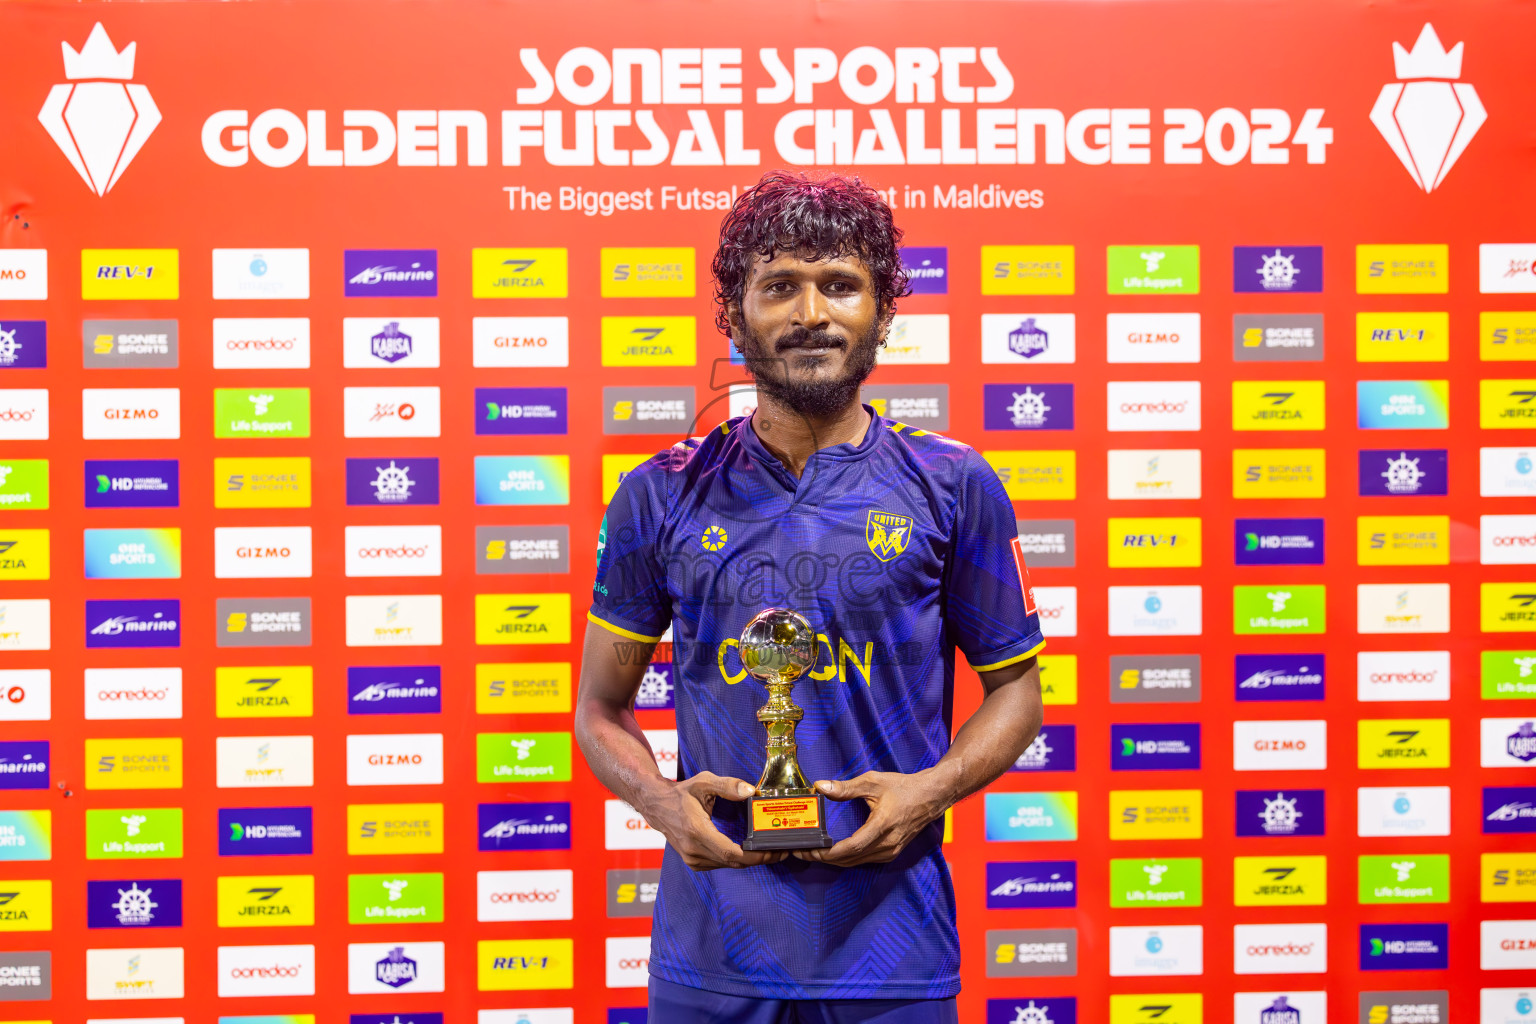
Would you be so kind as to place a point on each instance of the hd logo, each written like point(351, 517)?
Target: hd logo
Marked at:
point(523, 618)
point(519, 274)
point(649, 340)
point(263, 901)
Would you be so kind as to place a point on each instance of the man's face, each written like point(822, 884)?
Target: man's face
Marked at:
point(810, 330)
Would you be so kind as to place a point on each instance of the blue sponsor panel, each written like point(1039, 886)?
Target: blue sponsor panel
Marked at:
point(626, 1015)
point(657, 690)
point(401, 480)
point(1281, 812)
point(1018, 884)
point(1055, 1010)
point(1278, 542)
point(23, 344)
point(266, 831)
point(133, 903)
point(927, 268)
point(1054, 750)
point(1404, 947)
point(396, 1018)
point(525, 826)
point(1509, 809)
point(1279, 677)
point(1277, 269)
point(24, 764)
point(395, 690)
point(390, 272)
point(1162, 746)
point(1404, 472)
point(121, 624)
point(132, 483)
point(1027, 407)
point(520, 411)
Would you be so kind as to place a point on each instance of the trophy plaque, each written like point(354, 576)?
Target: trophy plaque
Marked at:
point(777, 647)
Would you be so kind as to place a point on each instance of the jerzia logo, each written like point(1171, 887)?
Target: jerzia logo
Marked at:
point(1426, 116)
point(99, 118)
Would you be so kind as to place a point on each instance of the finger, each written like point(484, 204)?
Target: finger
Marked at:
point(849, 789)
point(718, 785)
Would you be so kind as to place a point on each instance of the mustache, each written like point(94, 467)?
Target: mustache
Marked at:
point(804, 337)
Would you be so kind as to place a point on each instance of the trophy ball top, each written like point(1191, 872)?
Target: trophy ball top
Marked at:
point(778, 645)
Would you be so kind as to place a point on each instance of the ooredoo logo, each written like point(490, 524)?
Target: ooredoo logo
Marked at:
point(1280, 949)
point(394, 550)
point(132, 693)
point(1154, 405)
point(524, 895)
point(266, 971)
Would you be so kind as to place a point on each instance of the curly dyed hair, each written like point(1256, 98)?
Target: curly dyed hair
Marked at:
point(816, 219)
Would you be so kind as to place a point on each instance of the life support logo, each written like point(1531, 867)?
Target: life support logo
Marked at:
point(887, 534)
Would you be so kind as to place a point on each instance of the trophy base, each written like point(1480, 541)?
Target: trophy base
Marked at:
point(786, 823)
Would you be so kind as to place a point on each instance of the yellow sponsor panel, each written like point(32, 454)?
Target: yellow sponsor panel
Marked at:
point(1028, 270)
point(265, 901)
point(1508, 607)
point(523, 618)
point(1403, 540)
point(1058, 678)
point(1402, 269)
point(133, 763)
point(1156, 813)
point(26, 905)
point(1404, 742)
point(650, 340)
point(523, 688)
point(1047, 475)
point(262, 483)
point(1402, 337)
point(640, 273)
point(1279, 881)
point(519, 274)
point(1157, 543)
point(1506, 336)
point(1278, 405)
point(130, 274)
point(1508, 877)
point(949, 825)
point(1157, 1008)
point(1506, 404)
point(24, 554)
point(264, 691)
point(394, 828)
point(1279, 473)
point(616, 468)
point(504, 965)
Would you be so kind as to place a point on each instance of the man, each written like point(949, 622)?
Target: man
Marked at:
point(898, 545)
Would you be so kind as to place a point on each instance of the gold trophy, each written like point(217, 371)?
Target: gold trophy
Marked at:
point(777, 647)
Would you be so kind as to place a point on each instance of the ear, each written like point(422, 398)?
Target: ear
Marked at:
point(886, 318)
point(733, 318)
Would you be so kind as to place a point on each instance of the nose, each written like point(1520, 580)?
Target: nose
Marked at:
point(811, 310)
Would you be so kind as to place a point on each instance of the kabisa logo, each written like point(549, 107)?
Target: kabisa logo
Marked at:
point(1280, 1011)
point(1292, 812)
point(133, 623)
point(100, 119)
point(1028, 406)
point(390, 272)
point(1054, 749)
point(395, 969)
point(397, 481)
point(23, 344)
point(1273, 268)
point(1403, 472)
point(1028, 339)
point(133, 903)
point(265, 831)
point(396, 690)
point(1027, 884)
point(525, 826)
point(1427, 116)
point(1266, 677)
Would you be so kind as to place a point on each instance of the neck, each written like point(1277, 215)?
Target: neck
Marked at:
point(794, 437)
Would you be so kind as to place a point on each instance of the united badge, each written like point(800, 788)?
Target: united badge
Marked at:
point(887, 534)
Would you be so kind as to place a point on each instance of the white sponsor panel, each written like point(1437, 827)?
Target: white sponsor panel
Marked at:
point(521, 341)
point(546, 1015)
point(134, 972)
point(524, 896)
point(264, 762)
point(1403, 811)
point(262, 552)
point(394, 550)
point(1154, 611)
point(1504, 269)
point(394, 620)
point(1502, 472)
point(24, 625)
point(390, 342)
point(1508, 946)
point(1152, 473)
point(1154, 404)
point(1403, 675)
point(1280, 949)
point(130, 414)
point(1403, 608)
point(261, 343)
point(1508, 742)
point(627, 961)
point(1144, 952)
point(1060, 330)
point(625, 829)
point(1057, 607)
point(124, 693)
point(261, 273)
point(1249, 1007)
point(391, 412)
point(395, 759)
point(742, 400)
point(26, 694)
point(1153, 337)
point(916, 339)
point(395, 968)
point(135, 1020)
point(23, 274)
point(266, 971)
point(1508, 1005)
point(1507, 540)
point(23, 414)
point(1283, 745)
point(664, 745)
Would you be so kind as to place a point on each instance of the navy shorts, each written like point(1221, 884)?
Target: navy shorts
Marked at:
point(679, 1004)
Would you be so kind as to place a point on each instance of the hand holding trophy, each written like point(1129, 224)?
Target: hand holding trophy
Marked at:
point(777, 647)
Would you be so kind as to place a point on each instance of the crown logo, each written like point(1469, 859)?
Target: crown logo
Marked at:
point(1427, 117)
point(99, 119)
point(1428, 58)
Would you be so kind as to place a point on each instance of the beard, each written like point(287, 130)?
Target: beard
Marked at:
point(817, 396)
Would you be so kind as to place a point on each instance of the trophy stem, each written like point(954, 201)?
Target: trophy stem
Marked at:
point(781, 772)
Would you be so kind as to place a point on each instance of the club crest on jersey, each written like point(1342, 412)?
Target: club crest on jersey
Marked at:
point(887, 534)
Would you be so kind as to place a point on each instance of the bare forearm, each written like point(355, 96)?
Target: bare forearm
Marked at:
point(990, 741)
point(617, 752)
